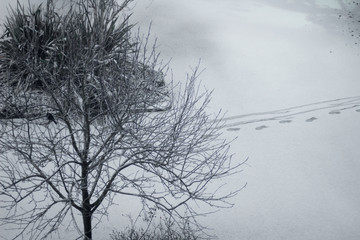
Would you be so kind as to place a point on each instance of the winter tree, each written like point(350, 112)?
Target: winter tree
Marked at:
point(88, 113)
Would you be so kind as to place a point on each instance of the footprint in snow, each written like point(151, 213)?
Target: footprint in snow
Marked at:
point(311, 119)
point(261, 127)
point(335, 112)
point(233, 129)
point(358, 110)
point(285, 121)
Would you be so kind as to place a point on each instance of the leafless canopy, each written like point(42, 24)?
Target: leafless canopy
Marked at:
point(121, 127)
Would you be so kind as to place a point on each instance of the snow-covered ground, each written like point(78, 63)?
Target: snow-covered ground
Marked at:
point(264, 58)
point(264, 55)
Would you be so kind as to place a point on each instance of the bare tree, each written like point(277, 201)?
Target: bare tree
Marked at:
point(87, 115)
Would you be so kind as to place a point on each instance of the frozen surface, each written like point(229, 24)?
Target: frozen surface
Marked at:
point(261, 56)
point(270, 55)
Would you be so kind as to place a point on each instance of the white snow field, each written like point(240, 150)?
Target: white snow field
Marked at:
point(261, 56)
point(287, 73)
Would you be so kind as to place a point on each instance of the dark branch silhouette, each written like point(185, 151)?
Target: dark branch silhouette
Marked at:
point(123, 128)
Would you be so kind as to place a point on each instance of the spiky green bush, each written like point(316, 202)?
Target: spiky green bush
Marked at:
point(38, 42)
point(43, 50)
point(28, 43)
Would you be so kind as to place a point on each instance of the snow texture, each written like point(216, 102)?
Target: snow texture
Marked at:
point(262, 55)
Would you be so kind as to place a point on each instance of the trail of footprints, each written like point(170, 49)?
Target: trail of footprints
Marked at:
point(287, 121)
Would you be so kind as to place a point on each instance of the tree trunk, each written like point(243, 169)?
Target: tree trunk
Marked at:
point(87, 225)
point(86, 206)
